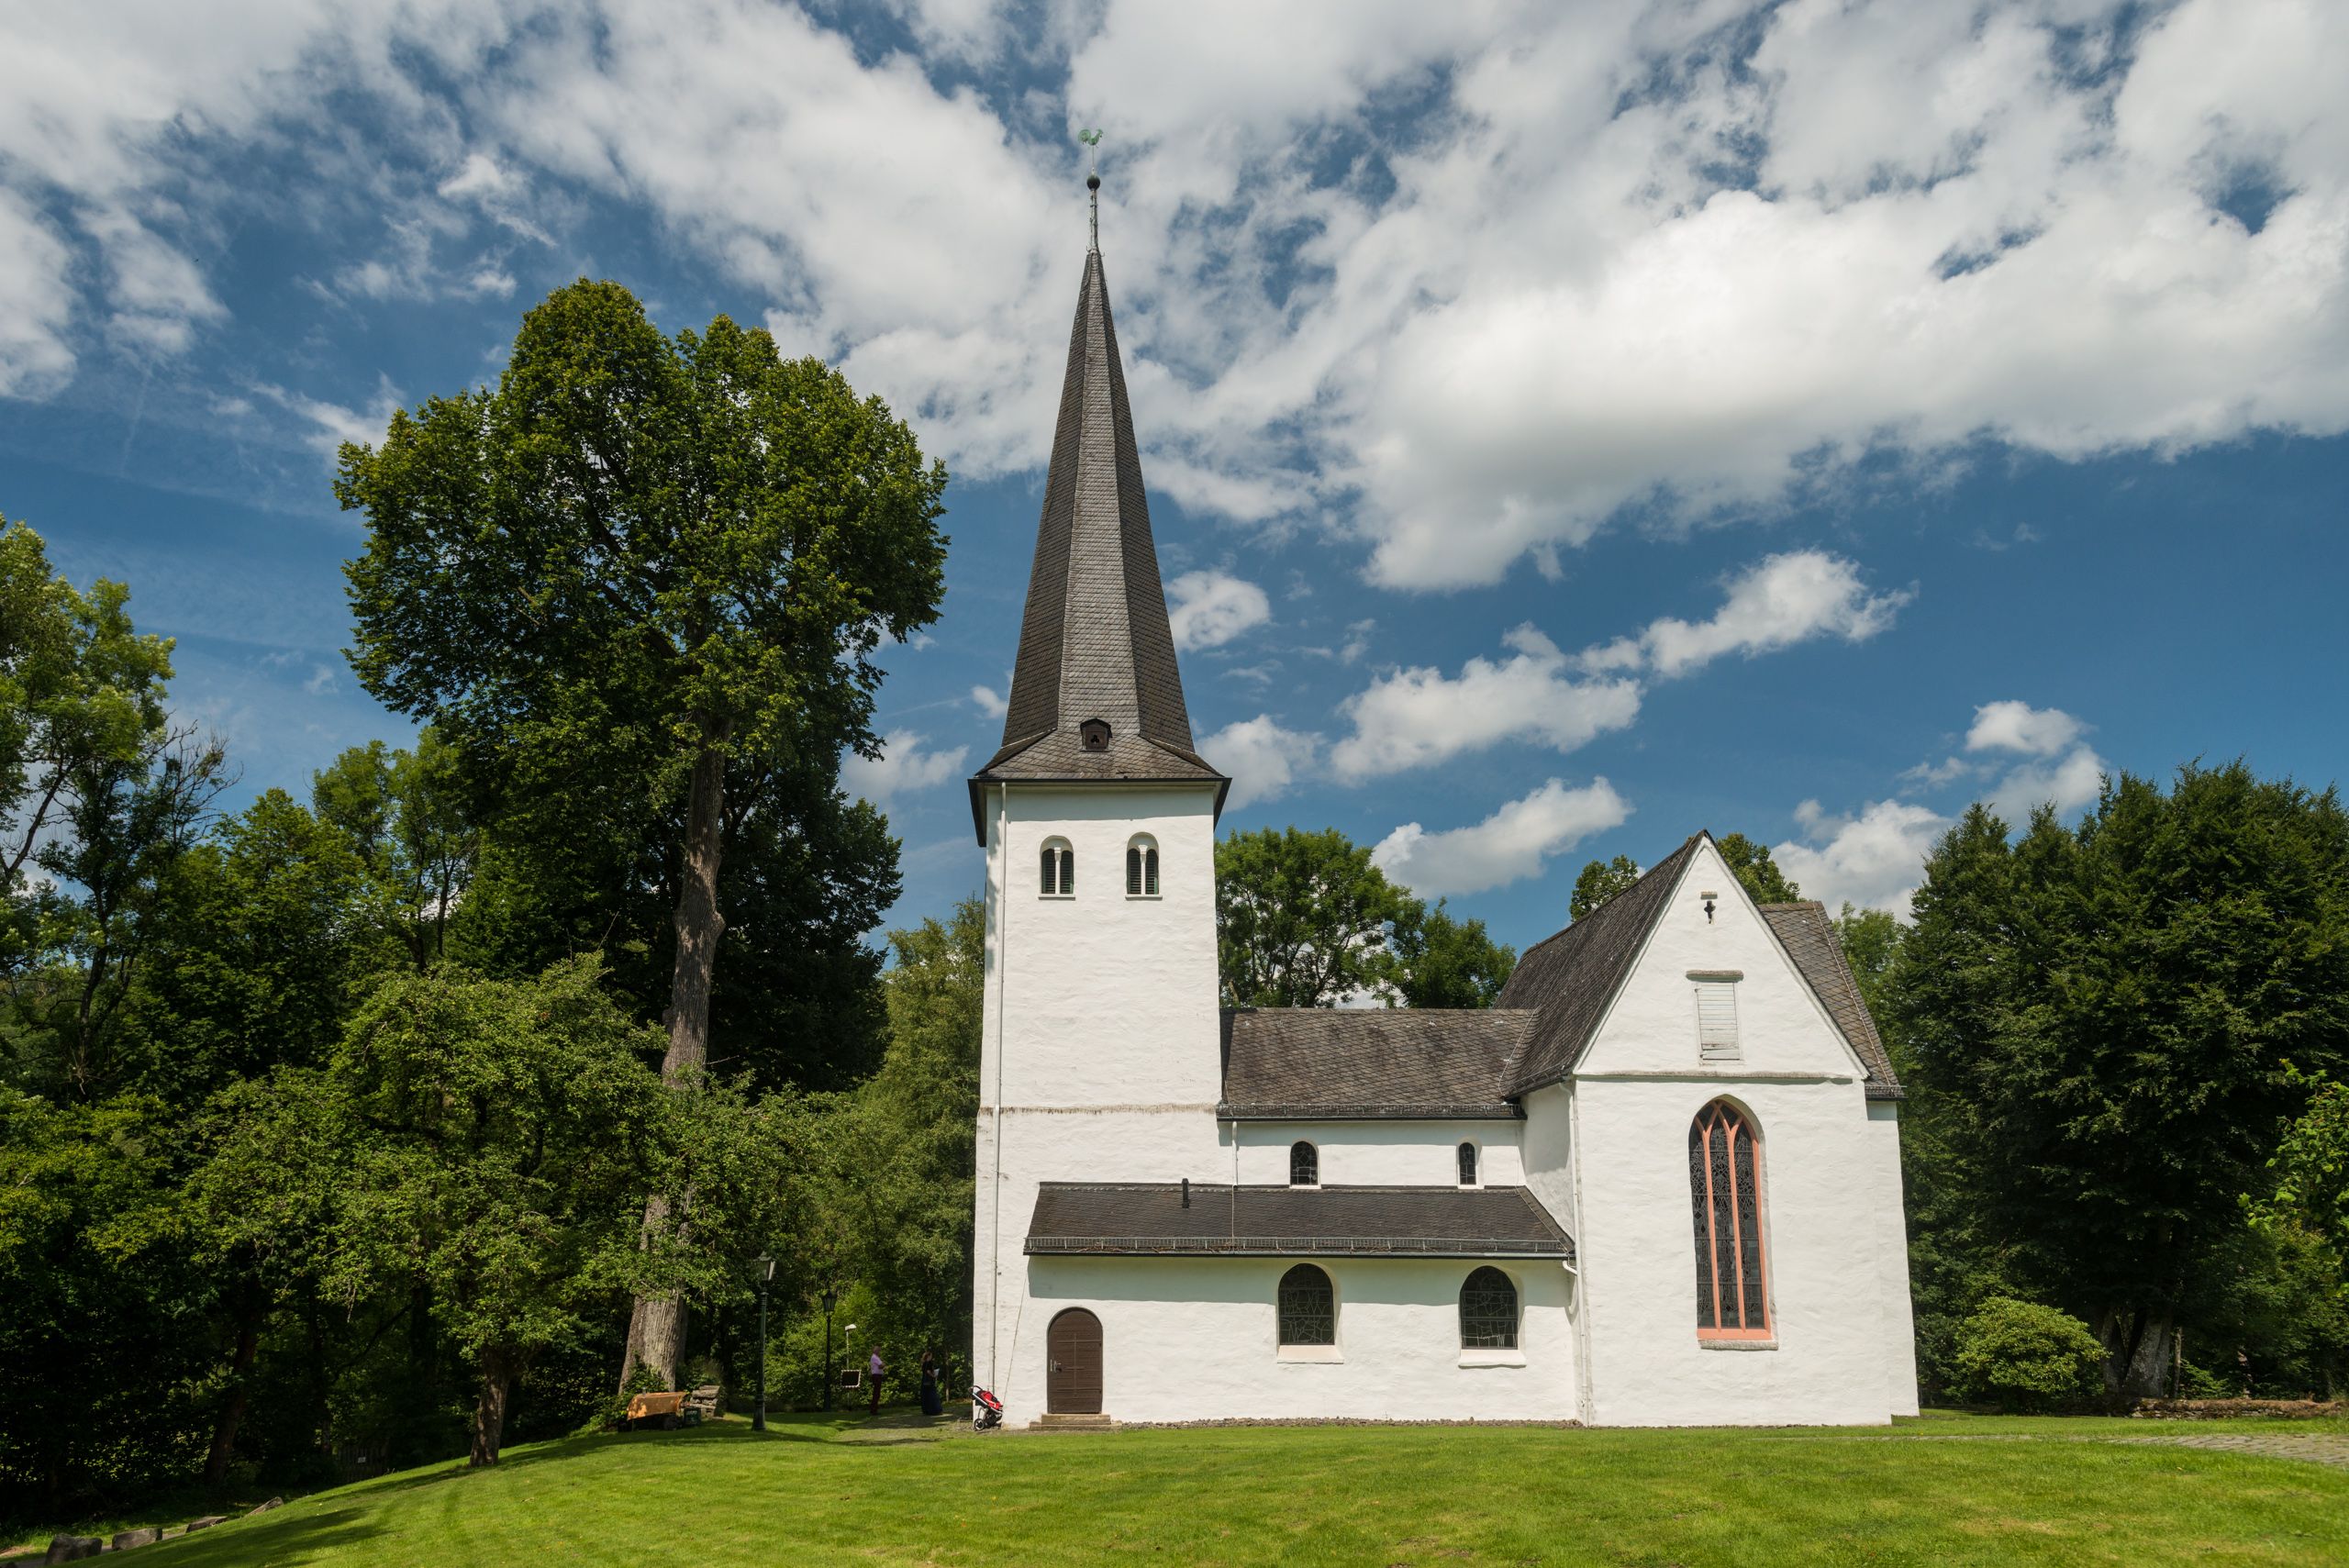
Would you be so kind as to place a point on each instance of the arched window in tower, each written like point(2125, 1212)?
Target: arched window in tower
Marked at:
point(1059, 869)
point(1304, 1165)
point(1467, 1165)
point(1489, 1311)
point(1308, 1307)
point(1142, 867)
point(1725, 1201)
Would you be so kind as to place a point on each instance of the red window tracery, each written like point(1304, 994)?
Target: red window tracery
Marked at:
point(1725, 1201)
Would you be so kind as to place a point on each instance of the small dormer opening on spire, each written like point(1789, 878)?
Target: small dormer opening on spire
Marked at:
point(1094, 734)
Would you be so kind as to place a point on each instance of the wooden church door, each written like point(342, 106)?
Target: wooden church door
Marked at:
point(1073, 1383)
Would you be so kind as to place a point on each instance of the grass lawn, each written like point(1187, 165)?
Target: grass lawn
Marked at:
point(814, 1490)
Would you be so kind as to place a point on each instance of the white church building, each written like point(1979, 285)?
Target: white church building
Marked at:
point(1659, 1184)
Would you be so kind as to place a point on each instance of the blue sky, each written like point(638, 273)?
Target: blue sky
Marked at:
point(1566, 427)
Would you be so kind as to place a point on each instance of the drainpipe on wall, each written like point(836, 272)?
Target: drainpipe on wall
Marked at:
point(1000, 871)
point(1585, 1392)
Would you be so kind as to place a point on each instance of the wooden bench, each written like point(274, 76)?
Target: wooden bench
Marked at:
point(706, 1401)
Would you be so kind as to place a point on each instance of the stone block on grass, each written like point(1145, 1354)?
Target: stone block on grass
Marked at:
point(72, 1548)
point(146, 1535)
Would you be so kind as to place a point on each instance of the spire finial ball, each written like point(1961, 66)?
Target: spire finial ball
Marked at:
point(1093, 181)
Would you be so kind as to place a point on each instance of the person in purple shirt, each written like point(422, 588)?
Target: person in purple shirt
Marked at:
point(873, 1377)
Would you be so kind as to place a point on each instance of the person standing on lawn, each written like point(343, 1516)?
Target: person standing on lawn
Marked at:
point(930, 1403)
point(872, 1375)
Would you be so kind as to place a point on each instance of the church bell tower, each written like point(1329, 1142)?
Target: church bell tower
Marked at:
point(1102, 1044)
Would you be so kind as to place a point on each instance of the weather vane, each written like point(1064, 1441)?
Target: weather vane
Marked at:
point(1092, 139)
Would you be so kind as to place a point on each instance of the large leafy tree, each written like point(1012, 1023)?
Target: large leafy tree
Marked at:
point(1440, 962)
point(639, 585)
point(2108, 1025)
point(100, 795)
point(1601, 881)
point(1750, 863)
point(1303, 919)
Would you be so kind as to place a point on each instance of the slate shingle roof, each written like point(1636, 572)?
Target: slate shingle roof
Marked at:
point(1095, 641)
point(1148, 1219)
point(1304, 1062)
point(1809, 936)
point(1573, 977)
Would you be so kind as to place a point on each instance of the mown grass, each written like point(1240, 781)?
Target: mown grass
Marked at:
point(818, 1490)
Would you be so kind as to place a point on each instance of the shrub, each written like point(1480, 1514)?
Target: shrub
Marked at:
point(2020, 1355)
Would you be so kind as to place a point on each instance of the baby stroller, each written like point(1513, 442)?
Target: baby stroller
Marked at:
point(987, 1411)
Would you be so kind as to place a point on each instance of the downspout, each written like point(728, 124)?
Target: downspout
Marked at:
point(1002, 983)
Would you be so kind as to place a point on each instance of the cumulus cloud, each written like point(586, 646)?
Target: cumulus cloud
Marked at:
point(1208, 609)
point(2067, 783)
point(1775, 603)
point(902, 768)
point(989, 702)
point(1262, 759)
point(2019, 727)
point(1512, 844)
point(1873, 860)
point(1692, 260)
point(1415, 716)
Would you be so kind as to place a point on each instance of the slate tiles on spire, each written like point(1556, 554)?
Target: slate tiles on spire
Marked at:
point(1095, 641)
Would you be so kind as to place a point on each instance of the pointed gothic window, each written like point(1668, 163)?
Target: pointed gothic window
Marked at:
point(1059, 869)
point(1467, 1165)
point(1304, 1165)
point(1489, 1311)
point(1725, 1202)
point(1308, 1307)
point(1142, 868)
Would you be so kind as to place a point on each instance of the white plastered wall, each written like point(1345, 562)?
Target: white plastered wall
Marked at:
point(1382, 1153)
point(1101, 1055)
point(1831, 1201)
point(1196, 1338)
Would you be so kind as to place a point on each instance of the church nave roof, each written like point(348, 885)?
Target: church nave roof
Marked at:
point(1151, 1219)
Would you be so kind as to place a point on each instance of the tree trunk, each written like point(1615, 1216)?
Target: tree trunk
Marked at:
point(240, 1392)
point(656, 1330)
point(489, 1410)
point(2137, 1351)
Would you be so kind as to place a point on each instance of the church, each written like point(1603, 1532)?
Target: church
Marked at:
point(1657, 1185)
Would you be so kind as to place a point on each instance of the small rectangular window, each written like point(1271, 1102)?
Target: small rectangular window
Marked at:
point(1717, 1020)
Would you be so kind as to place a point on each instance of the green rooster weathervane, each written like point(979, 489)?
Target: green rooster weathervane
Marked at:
point(1092, 139)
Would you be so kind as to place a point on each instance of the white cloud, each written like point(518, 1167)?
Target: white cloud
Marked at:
point(1412, 717)
point(988, 702)
point(1775, 603)
point(1875, 860)
point(2067, 783)
point(1262, 759)
point(322, 681)
point(902, 768)
point(331, 423)
point(2019, 727)
point(1208, 609)
point(1683, 258)
point(1508, 846)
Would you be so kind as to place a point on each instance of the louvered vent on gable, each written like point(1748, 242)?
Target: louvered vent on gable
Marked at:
point(1715, 1014)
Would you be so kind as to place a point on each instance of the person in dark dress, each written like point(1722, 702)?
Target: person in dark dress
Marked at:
point(872, 1370)
point(930, 1403)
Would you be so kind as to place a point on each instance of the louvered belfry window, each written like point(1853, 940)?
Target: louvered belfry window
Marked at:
point(1308, 1307)
point(1059, 871)
point(1141, 869)
point(1489, 1311)
point(1725, 1202)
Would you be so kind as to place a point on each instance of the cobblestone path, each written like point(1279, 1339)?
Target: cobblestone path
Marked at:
point(2319, 1448)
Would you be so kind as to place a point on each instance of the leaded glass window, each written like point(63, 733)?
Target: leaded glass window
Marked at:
point(1489, 1311)
point(1304, 1166)
point(1725, 1209)
point(1308, 1307)
point(1467, 1165)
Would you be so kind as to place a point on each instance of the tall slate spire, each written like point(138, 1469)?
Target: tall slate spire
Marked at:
point(1095, 643)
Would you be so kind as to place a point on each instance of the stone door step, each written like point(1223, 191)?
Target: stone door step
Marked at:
point(1075, 1423)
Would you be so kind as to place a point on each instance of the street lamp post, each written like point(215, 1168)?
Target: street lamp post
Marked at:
point(831, 1298)
point(766, 1277)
